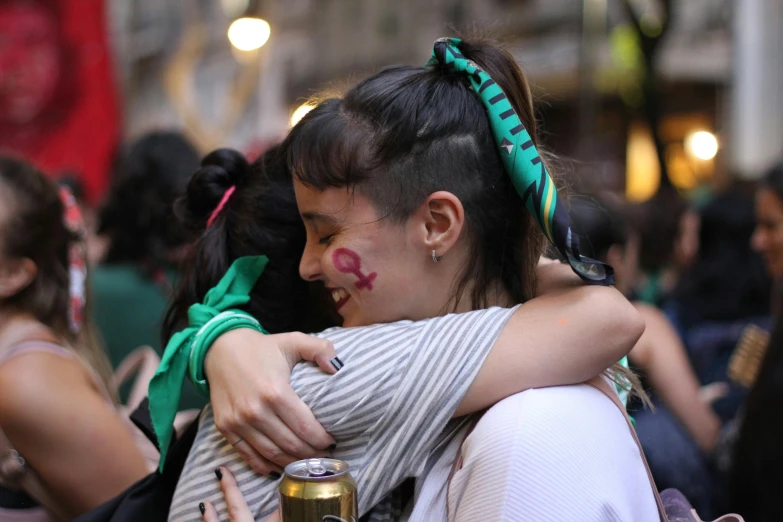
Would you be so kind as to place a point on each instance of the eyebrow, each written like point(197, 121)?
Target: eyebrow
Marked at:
point(319, 217)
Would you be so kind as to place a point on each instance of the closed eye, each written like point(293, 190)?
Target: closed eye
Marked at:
point(324, 240)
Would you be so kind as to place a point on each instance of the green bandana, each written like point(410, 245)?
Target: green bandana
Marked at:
point(165, 387)
point(523, 163)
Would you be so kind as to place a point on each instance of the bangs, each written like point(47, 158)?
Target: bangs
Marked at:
point(327, 148)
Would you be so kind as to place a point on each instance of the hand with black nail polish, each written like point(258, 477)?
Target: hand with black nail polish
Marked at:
point(275, 426)
point(238, 510)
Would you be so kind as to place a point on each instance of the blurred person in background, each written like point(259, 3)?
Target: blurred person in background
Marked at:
point(132, 286)
point(56, 394)
point(58, 103)
point(767, 238)
point(725, 290)
point(666, 227)
point(755, 480)
point(756, 458)
point(683, 430)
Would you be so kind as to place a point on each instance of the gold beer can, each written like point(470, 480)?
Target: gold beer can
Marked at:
point(318, 490)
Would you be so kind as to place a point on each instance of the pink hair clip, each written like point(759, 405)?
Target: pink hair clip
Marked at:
point(220, 205)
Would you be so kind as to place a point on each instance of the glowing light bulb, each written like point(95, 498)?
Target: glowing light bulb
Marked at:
point(703, 145)
point(300, 112)
point(249, 34)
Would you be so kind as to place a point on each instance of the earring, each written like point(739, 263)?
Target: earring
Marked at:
point(436, 258)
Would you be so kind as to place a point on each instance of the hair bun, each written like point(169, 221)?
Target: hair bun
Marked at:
point(220, 170)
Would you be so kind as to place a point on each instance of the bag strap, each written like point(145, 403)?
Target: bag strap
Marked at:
point(602, 386)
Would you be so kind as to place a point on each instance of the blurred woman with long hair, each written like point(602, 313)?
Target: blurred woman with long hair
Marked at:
point(62, 441)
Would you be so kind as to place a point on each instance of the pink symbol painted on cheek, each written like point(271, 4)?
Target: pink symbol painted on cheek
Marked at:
point(348, 262)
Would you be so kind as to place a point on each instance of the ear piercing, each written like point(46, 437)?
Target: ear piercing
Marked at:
point(436, 258)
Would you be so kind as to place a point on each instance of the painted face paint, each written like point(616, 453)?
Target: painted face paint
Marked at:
point(348, 262)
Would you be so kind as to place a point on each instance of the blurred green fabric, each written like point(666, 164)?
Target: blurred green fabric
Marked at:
point(128, 308)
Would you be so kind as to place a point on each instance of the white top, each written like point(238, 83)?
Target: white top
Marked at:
point(388, 408)
point(543, 455)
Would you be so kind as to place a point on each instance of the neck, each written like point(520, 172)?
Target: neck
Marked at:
point(16, 326)
point(446, 275)
point(496, 295)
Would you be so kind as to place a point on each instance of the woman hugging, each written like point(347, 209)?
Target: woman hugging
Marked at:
point(417, 207)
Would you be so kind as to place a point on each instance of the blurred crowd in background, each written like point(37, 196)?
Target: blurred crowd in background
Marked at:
point(666, 119)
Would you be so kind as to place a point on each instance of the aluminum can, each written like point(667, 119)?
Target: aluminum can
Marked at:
point(318, 490)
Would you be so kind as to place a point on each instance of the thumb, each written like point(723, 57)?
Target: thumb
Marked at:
point(315, 349)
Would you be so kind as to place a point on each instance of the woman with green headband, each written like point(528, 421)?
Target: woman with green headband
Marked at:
point(411, 213)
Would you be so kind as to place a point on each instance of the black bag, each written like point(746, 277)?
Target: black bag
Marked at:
point(149, 499)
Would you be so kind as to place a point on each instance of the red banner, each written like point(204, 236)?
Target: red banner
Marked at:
point(58, 104)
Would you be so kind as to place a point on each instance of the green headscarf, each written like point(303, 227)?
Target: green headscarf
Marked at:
point(523, 163)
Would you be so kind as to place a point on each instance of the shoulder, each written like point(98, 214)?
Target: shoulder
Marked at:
point(657, 325)
point(565, 438)
point(560, 420)
point(423, 326)
point(35, 383)
point(341, 334)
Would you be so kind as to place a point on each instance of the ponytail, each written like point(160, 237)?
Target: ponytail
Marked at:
point(251, 210)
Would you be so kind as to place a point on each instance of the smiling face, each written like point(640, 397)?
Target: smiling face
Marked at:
point(768, 237)
point(376, 270)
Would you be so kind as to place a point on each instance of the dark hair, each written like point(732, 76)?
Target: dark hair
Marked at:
point(755, 478)
point(406, 132)
point(773, 180)
point(137, 216)
point(727, 281)
point(599, 225)
point(657, 221)
point(260, 217)
point(35, 229)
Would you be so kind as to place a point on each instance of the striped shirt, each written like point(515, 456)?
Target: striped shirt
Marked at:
point(389, 408)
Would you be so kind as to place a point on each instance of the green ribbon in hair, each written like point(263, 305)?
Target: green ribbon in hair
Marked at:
point(218, 314)
point(523, 163)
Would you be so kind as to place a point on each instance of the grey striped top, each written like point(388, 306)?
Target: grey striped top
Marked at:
point(388, 408)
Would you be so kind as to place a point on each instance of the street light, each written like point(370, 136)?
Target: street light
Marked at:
point(249, 33)
point(702, 144)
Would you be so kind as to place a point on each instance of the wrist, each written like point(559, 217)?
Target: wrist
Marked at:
point(216, 328)
point(222, 345)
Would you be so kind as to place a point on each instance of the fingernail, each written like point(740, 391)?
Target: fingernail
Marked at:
point(202, 508)
point(274, 475)
point(218, 473)
point(332, 447)
point(337, 363)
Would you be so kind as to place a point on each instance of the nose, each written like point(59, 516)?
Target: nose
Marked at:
point(310, 264)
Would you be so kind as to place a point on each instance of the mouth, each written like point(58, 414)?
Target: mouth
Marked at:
point(340, 297)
